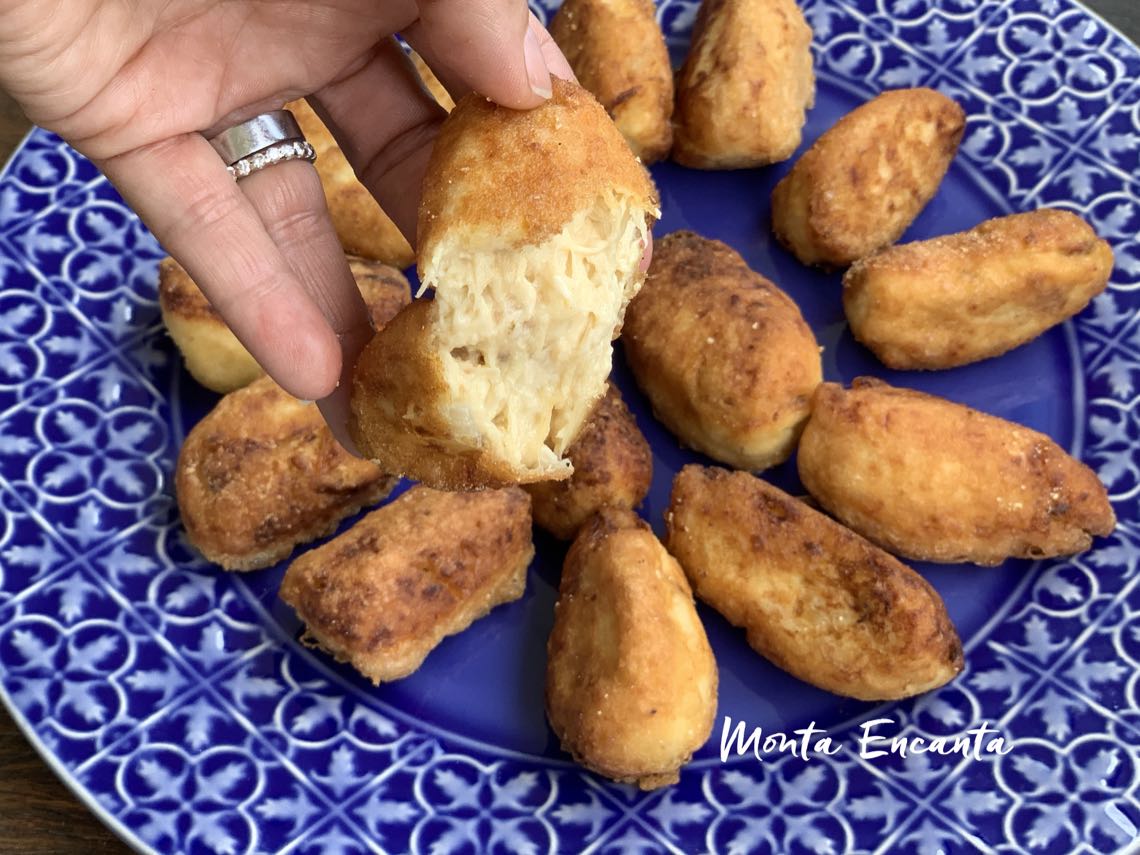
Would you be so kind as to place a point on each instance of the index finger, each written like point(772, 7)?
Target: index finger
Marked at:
point(182, 191)
point(460, 76)
point(489, 45)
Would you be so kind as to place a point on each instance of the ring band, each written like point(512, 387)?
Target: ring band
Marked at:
point(289, 150)
point(262, 141)
point(256, 134)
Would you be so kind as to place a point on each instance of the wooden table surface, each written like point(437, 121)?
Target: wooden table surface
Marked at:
point(38, 814)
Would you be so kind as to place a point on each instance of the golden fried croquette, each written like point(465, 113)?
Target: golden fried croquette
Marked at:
point(382, 595)
point(723, 354)
point(360, 223)
point(745, 85)
point(613, 466)
point(933, 480)
point(262, 473)
point(969, 296)
point(431, 83)
point(814, 598)
point(532, 227)
point(631, 682)
point(212, 353)
point(865, 180)
point(617, 51)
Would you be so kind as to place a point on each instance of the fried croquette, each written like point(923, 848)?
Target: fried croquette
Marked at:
point(382, 595)
point(865, 180)
point(746, 85)
point(262, 473)
point(212, 353)
point(613, 466)
point(360, 223)
point(617, 51)
point(532, 227)
point(816, 599)
point(724, 355)
point(933, 480)
point(431, 83)
point(969, 296)
point(631, 683)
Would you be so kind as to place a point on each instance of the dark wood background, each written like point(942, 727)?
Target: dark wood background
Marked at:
point(38, 814)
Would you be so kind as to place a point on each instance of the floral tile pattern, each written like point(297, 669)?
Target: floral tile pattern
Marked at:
point(192, 721)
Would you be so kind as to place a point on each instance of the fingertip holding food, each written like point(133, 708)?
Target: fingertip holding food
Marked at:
point(745, 86)
point(532, 226)
point(385, 593)
point(866, 178)
point(538, 76)
point(964, 297)
point(631, 682)
point(815, 599)
point(723, 354)
point(933, 480)
point(618, 53)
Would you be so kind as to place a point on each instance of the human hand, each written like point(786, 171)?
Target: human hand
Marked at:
point(138, 86)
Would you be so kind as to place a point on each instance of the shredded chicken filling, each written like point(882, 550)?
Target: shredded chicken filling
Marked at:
point(524, 335)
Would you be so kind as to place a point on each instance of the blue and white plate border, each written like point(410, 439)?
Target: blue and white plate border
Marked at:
point(175, 708)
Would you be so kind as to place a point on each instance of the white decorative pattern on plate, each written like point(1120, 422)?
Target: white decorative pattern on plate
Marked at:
point(177, 702)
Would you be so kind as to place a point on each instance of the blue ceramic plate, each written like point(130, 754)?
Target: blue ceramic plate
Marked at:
point(177, 703)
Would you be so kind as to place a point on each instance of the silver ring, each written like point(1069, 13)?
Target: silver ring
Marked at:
point(262, 141)
point(288, 150)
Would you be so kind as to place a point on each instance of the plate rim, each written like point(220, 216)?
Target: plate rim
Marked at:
point(130, 836)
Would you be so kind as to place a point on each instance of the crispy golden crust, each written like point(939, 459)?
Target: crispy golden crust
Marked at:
point(865, 180)
point(933, 480)
point(631, 682)
point(969, 296)
point(618, 52)
point(723, 354)
point(382, 595)
point(613, 466)
point(498, 180)
point(431, 83)
point(502, 177)
point(360, 222)
point(215, 357)
point(745, 85)
point(815, 598)
point(261, 473)
point(396, 411)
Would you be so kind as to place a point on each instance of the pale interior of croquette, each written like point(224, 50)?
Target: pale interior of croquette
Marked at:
point(524, 334)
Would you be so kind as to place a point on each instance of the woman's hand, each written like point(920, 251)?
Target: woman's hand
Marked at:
point(139, 85)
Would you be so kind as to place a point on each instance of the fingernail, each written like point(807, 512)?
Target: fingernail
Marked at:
point(536, 71)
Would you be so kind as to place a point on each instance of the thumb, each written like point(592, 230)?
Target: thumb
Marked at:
point(495, 47)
